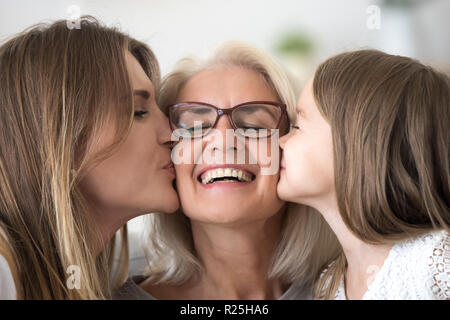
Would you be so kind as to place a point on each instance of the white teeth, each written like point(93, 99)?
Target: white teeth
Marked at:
point(224, 173)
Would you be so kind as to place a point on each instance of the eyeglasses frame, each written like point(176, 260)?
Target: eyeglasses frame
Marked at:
point(228, 112)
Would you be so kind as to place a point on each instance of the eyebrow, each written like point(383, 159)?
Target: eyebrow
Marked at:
point(203, 110)
point(142, 93)
point(256, 107)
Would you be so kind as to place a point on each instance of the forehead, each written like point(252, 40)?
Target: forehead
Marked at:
point(138, 77)
point(226, 87)
point(306, 103)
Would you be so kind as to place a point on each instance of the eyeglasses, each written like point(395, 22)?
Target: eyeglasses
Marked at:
point(254, 119)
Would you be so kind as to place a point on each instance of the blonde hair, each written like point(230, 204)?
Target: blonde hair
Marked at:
point(58, 88)
point(389, 117)
point(306, 243)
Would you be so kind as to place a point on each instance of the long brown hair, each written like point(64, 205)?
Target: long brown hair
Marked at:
point(389, 117)
point(58, 88)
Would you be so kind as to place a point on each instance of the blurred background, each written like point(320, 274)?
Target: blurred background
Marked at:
point(299, 33)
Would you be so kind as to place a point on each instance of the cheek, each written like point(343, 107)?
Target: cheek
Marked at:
point(183, 172)
point(125, 178)
point(183, 159)
point(108, 184)
point(297, 159)
point(309, 165)
point(265, 153)
point(184, 152)
point(267, 191)
point(137, 160)
point(184, 180)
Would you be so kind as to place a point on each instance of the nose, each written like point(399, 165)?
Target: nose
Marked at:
point(218, 141)
point(223, 123)
point(164, 131)
point(283, 140)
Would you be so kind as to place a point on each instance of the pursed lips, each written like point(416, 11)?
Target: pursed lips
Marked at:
point(169, 167)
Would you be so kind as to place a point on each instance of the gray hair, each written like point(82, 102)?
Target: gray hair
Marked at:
point(307, 243)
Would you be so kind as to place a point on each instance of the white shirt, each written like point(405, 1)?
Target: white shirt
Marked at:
point(415, 269)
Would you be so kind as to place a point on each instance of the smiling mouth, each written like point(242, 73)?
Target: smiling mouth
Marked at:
point(231, 175)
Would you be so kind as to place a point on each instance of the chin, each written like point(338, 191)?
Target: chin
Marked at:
point(175, 205)
point(221, 220)
point(170, 205)
point(162, 203)
point(209, 216)
point(223, 217)
point(283, 193)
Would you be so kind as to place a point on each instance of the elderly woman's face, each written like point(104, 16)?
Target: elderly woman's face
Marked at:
point(234, 191)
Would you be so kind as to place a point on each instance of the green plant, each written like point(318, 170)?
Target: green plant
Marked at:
point(295, 42)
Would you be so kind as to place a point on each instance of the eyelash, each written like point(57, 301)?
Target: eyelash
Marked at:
point(140, 114)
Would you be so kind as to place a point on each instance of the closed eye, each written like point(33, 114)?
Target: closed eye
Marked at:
point(199, 127)
point(140, 113)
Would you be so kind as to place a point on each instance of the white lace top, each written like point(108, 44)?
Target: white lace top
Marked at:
point(7, 286)
point(417, 268)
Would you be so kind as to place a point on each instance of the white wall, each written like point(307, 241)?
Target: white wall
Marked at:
point(174, 28)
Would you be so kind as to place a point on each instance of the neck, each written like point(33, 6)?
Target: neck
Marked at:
point(237, 259)
point(363, 259)
point(107, 226)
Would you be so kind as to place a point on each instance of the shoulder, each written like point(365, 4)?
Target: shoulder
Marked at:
point(7, 286)
point(297, 291)
point(131, 290)
point(325, 278)
point(425, 249)
point(438, 262)
point(427, 258)
point(429, 240)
